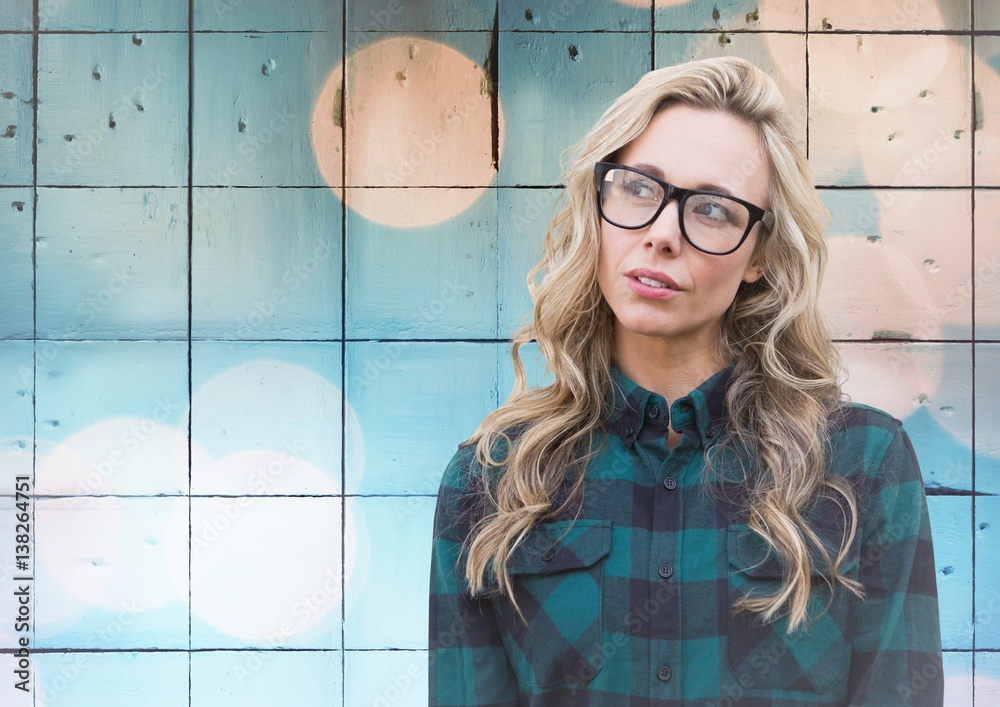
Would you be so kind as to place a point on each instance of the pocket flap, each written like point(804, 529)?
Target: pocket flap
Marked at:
point(559, 546)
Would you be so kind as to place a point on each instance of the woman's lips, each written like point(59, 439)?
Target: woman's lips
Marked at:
point(652, 284)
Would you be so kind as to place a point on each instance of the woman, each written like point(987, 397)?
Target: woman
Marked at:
point(688, 514)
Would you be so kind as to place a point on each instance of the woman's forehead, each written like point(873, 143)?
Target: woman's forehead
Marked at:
point(702, 149)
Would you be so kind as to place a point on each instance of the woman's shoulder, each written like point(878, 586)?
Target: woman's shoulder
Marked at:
point(849, 414)
point(864, 440)
point(465, 472)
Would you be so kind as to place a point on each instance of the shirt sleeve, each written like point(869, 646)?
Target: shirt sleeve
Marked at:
point(897, 641)
point(467, 663)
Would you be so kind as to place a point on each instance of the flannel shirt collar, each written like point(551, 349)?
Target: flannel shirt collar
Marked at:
point(701, 413)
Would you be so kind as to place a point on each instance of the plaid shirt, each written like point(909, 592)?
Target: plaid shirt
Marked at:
point(631, 604)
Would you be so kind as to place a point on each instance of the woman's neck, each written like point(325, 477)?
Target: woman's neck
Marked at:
point(673, 370)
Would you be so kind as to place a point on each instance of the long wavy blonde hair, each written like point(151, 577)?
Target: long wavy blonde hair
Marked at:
point(786, 375)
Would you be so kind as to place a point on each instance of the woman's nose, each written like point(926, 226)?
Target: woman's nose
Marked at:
point(664, 233)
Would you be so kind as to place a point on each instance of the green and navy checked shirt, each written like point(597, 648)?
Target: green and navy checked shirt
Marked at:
point(631, 602)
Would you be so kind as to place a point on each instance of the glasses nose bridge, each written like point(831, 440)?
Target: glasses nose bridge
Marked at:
point(670, 193)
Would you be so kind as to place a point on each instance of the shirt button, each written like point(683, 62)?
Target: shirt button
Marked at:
point(670, 483)
point(653, 412)
point(548, 555)
point(664, 673)
point(630, 431)
point(684, 405)
point(666, 571)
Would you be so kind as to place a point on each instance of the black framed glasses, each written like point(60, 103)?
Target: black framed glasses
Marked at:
point(711, 221)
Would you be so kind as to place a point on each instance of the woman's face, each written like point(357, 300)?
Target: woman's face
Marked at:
point(694, 149)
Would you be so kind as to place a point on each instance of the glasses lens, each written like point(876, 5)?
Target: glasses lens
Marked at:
point(629, 199)
point(715, 223)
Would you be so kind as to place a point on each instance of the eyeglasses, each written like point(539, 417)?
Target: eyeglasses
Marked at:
point(712, 222)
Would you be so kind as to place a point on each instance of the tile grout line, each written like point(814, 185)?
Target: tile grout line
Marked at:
point(343, 352)
point(972, 333)
point(808, 106)
point(35, 21)
point(190, 373)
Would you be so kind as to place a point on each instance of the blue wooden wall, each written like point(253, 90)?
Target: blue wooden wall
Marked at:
point(261, 264)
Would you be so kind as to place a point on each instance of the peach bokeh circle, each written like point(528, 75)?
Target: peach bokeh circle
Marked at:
point(418, 114)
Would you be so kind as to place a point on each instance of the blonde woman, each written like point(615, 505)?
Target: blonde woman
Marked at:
point(689, 514)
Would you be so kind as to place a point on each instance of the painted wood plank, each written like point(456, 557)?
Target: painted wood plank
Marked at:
point(113, 15)
point(525, 215)
point(414, 402)
point(110, 418)
point(728, 15)
point(957, 678)
point(255, 583)
point(16, 214)
point(243, 678)
point(575, 16)
point(400, 15)
point(845, 15)
point(900, 114)
point(17, 121)
point(17, 391)
point(987, 677)
point(112, 263)
point(892, 272)
point(434, 279)
point(16, 15)
point(419, 112)
point(253, 106)
point(985, 273)
point(987, 574)
point(266, 264)
point(266, 16)
point(114, 679)
point(987, 111)
point(987, 14)
point(392, 555)
point(15, 697)
point(951, 517)
point(129, 98)
point(929, 387)
point(570, 75)
point(386, 677)
point(111, 573)
point(782, 56)
point(987, 420)
point(267, 418)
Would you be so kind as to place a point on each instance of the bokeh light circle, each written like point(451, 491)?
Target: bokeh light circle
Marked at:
point(418, 113)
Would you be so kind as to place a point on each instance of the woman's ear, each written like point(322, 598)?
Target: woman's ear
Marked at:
point(753, 273)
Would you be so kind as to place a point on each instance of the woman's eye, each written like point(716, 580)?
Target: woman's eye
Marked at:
point(638, 188)
point(713, 210)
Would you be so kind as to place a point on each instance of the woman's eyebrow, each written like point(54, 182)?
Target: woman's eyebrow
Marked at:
point(658, 173)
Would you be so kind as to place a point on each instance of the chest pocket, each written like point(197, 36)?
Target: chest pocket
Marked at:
point(557, 575)
point(764, 656)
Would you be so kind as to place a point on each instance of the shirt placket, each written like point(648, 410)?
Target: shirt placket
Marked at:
point(664, 580)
